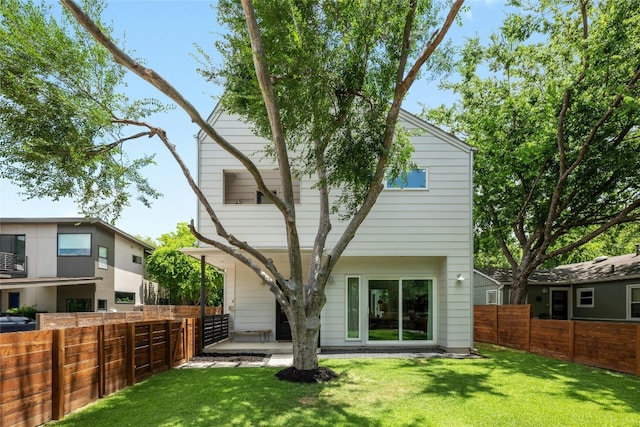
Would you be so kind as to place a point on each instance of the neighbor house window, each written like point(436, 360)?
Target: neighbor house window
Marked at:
point(125, 297)
point(585, 297)
point(74, 244)
point(492, 297)
point(416, 179)
point(137, 259)
point(78, 304)
point(102, 305)
point(633, 296)
point(12, 252)
point(103, 257)
point(353, 308)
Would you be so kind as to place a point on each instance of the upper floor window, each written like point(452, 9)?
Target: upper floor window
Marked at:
point(74, 244)
point(136, 259)
point(13, 255)
point(633, 301)
point(241, 189)
point(416, 179)
point(584, 297)
point(103, 257)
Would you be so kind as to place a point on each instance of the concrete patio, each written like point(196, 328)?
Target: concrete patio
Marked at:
point(249, 347)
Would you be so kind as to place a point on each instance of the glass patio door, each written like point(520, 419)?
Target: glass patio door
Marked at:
point(384, 310)
point(399, 310)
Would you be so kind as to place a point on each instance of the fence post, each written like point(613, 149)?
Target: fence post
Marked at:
point(131, 353)
point(191, 337)
point(495, 323)
point(101, 364)
point(638, 350)
point(169, 353)
point(57, 374)
point(572, 339)
point(529, 328)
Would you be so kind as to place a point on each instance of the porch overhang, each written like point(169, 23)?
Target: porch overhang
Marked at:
point(38, 282)
point(222, 260)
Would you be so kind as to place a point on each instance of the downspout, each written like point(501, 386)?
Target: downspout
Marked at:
point(202, 292)
point(471, 264)
point(199, 166)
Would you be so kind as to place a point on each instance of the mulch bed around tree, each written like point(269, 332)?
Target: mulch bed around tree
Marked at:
point(319, 375)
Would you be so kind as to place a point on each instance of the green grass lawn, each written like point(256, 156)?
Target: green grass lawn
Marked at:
point(507, 388)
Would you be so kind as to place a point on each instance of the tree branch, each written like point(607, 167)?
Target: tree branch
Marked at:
point(277, 131)
point(167, 89)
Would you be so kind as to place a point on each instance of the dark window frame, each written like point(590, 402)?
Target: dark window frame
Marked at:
point(75, 249)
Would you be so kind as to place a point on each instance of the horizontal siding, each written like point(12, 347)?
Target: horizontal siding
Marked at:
point(414, 222)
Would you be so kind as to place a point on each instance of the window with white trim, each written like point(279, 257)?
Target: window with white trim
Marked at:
point(492, 297)
point(353, 308)
point(633, 298)
point(584, 297)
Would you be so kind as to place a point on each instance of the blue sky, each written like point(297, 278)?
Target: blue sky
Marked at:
point(163, 34)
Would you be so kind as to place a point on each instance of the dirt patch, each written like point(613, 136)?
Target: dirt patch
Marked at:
point(319, 375)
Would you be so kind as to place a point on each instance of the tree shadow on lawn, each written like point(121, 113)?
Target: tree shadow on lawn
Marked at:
point(454, 379)
point(219, 396)
point(584, 383)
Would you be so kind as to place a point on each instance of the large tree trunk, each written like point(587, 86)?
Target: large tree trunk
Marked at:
point(304, 331)
point(519, 288)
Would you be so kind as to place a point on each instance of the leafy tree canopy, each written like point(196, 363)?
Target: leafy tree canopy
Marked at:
point(334, 68)
point(553, 104)
point(62, 112)
point(180, 273)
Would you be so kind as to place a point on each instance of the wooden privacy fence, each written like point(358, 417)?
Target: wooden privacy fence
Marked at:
point(608, 345)
point(143, 312)
point(47, 374)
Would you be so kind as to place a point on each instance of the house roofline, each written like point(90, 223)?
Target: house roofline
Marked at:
point(77, 221)
point(28, 282)
point(497, 282)
point(436, 131)
point(404, 115)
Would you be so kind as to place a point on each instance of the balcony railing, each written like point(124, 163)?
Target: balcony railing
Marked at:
point(11, 265)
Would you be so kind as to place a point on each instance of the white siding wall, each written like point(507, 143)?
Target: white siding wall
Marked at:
point(409, 223)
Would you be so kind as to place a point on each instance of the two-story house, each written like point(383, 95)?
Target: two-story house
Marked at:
point(404, 280)
point(69, 265)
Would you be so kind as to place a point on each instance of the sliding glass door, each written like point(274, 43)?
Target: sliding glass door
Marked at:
point(399, 309)
point(383, 310)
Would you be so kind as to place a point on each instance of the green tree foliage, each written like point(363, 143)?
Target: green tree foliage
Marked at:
point(553, 104)
point(61, 111)
point(180, 273)
point(619, 240)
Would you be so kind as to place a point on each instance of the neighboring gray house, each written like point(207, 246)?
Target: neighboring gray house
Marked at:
point(405, 279)
point(69, 265)
point(606, 288)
